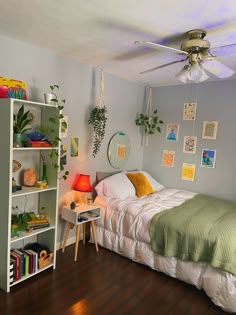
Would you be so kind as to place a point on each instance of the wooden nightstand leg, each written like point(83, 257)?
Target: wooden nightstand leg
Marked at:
point(84, 232)
point(68, 227)
point(77, 241)
point(94, 234)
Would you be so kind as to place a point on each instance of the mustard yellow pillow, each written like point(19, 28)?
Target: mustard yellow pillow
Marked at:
point(141, 184)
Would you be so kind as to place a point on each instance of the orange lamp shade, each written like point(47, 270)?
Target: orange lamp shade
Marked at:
point(82, 183)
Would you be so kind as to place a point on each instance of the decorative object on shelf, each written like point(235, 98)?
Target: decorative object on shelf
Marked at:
point(36, 136)
point(49, 98)
point(44, 170)
point(11, 88)
point(29, 177)
point(21, 120)
point(16, 165)
point(118, 150)
point(82, 184)
point(149, 120)
point(14, 187)
point(72, 205)
point(98, 119)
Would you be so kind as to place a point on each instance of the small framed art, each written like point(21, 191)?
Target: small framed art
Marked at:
point(209, 130)
point(208, 158)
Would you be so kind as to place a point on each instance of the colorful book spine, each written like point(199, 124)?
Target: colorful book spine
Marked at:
point(17, 264)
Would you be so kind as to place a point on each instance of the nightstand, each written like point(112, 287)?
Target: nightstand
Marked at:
point(81, 215)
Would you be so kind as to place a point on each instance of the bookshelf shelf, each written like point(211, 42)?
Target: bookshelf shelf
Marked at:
point(28, 199)
point(31, 275)
point(25, 235)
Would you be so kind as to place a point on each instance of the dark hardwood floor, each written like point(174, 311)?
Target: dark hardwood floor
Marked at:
point(103, 283)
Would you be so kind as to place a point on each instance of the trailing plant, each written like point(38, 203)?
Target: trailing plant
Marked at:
point(51, 129)
point(98, 119)
point(21, 120)
point(151, 122)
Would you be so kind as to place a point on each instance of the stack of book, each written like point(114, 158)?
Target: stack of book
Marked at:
point(22, 263)
point(37, 224)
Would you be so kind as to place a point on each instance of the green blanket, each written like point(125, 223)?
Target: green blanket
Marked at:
point(202, 229)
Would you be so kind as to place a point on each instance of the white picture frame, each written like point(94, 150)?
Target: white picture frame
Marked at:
point(209, 130)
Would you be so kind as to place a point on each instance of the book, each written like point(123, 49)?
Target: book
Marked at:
point(22, 261)
point(16, 258)
point(38, 225)
point(11, 270)
point(31, 261)
point(35, 260)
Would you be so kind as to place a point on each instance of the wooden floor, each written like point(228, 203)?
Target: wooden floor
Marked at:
point(103, 283)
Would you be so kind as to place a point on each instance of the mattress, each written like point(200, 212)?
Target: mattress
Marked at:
point(123, 228)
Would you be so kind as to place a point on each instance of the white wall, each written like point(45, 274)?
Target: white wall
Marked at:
point(78, 85)
point(215, 101)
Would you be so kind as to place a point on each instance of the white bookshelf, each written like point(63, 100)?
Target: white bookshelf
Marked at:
point(29, 199)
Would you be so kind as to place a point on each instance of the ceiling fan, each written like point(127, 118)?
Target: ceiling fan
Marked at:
point(199, 56)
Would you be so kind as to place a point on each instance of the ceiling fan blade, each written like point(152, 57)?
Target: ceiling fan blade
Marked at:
point(217, 68)
point(163, 66)
point(159, 46)
point(225, 50)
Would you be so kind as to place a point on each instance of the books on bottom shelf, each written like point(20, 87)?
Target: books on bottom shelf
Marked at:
point(22, 262)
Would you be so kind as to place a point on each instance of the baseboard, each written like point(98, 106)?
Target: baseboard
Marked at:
point(70, 241)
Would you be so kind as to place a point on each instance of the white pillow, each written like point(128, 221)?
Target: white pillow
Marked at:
point(155, 185)
point(116, 186)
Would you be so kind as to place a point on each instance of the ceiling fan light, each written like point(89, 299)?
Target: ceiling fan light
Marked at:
point(182, 75)
point(197, 73)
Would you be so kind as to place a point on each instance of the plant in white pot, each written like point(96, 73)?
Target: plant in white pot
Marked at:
point(20, 121)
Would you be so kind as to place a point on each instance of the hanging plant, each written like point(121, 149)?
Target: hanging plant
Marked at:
point(149, 120)
point(98, 119)
point(150, 123)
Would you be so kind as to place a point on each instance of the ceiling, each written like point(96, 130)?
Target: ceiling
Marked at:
point(102, 32)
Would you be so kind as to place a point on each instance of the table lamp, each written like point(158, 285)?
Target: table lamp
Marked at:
point(82, 184)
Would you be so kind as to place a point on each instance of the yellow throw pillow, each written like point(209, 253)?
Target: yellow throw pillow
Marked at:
point(141, 184)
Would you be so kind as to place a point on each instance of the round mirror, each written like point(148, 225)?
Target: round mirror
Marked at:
point(118, 150)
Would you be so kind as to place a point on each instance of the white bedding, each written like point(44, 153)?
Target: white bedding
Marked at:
point(123, 228)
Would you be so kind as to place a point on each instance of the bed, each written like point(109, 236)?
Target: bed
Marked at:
point(125, 228)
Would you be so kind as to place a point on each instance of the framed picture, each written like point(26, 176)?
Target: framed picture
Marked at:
point(208, 158)
point(188, 172)
point(209, 130)
point(63, 157)
point(168, 158)
point(64, 126)
point(190, 144)
point(189, 112)
point(172, 131)
point(74, 146)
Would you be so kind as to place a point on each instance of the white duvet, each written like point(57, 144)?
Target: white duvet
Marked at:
point(123, 228)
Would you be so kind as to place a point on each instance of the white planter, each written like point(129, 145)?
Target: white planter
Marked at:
point(48, 98)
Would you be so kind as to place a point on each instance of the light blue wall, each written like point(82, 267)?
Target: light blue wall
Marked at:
point(215, 101)
point(78, 85)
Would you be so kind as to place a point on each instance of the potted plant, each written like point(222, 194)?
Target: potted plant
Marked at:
point(20, 121)
point(98, 119)
point(49, 97)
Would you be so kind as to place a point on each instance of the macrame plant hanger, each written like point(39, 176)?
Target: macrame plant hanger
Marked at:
point(100, 100)
point(148, 111)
